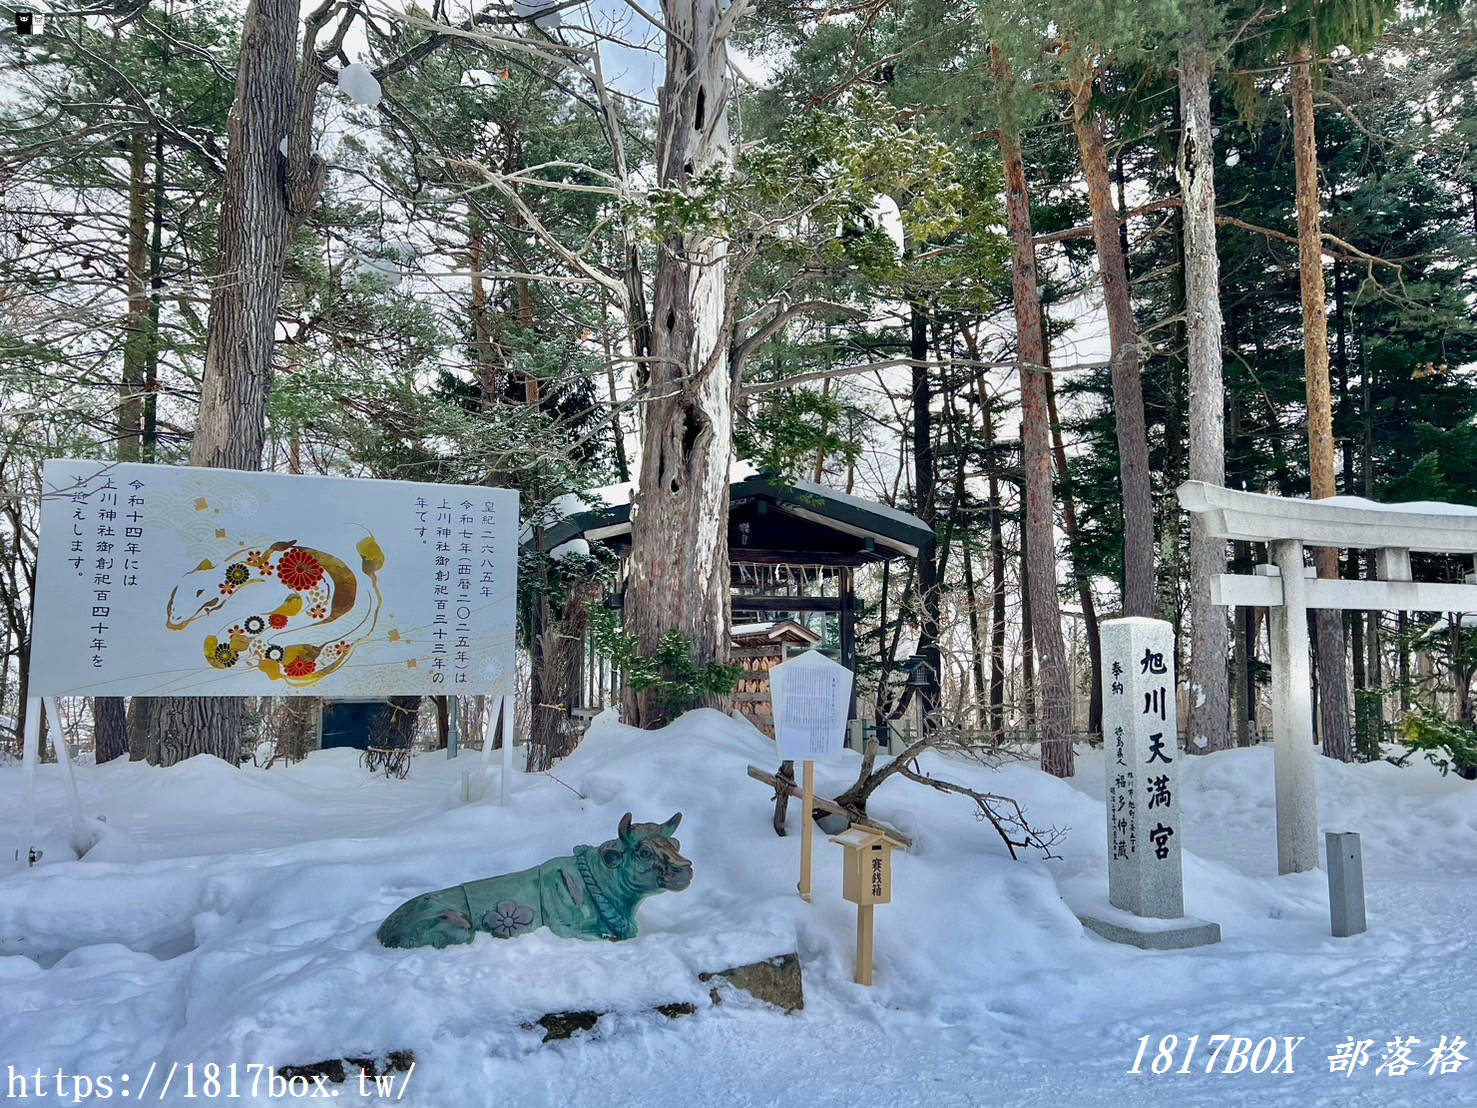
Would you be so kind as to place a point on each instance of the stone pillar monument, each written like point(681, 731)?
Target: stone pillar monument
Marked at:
point(1141, 755)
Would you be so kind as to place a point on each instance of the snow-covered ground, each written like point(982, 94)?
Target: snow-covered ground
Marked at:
point(229, 916)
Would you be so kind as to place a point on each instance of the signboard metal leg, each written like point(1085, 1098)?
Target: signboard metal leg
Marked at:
point(484, 764)
point(30, 743)
point(80, 838)
point(807, 827)
point(453, 727)
point(506, 777)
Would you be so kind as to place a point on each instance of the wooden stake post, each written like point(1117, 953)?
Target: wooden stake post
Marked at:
point(807, 829)
point(812, 698)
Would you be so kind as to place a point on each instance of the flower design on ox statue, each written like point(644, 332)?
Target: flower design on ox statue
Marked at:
point(508, 919)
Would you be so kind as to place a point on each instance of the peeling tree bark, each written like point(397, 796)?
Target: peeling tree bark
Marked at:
point(1046, 624)
point(1209, 717)
point(1128, 393)
point(679, 575)
point(1333, 705)
point(265, 197)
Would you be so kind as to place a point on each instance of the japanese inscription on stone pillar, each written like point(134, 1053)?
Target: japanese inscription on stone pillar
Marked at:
point(1139, 729)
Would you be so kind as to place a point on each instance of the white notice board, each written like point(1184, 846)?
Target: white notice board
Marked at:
point(812, 700)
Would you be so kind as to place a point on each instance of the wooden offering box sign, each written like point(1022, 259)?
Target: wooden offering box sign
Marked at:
point(866, 881)
point(866, 875)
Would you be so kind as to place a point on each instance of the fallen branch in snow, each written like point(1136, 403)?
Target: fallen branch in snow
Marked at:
point(1004, 813)
point(824, 805)
point(392, 761)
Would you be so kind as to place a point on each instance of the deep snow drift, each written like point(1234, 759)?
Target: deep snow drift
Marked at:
point(229, 915)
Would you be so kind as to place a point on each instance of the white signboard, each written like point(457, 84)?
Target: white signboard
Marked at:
point(1139, 738)
point(812, 699)
point(170, 580)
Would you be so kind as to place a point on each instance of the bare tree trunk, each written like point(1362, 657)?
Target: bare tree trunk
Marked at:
point(1209, 720)
point(265, 196)
point(262, 203)
point(558, 665)
point(297, 727)
point(1128, 393)
point(182, 727)
point(925, 493)
point(617, 432)
point(997, 575)
point(997, 616)
point(149, 438)
point(110, 731)
point(1334, 706)
point(1029, 715)
point(136, 325)
point(1046, 624)
point(976, 644)
point(488, 378)
point(1079, 573)
point(109, 728)
point(679, 576)
point(1241, 684)
point(442, 704)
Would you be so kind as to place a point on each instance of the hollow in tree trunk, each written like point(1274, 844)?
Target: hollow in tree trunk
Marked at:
point(678, 577)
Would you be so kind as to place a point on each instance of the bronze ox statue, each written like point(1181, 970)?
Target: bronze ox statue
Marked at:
point(591, 893)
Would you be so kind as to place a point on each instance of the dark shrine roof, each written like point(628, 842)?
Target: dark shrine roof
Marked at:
point(774, 520)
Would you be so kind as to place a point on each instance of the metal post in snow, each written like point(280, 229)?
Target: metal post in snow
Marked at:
point(507, 774)
point(30, 744)
point(81, 840)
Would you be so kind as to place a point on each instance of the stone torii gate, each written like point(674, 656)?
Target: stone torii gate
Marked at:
point(1288, 589)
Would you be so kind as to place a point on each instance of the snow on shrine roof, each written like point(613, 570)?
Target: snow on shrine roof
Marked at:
point(774, 631)
point(875, 531)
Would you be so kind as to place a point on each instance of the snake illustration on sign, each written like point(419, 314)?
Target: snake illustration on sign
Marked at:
point(306, 593)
